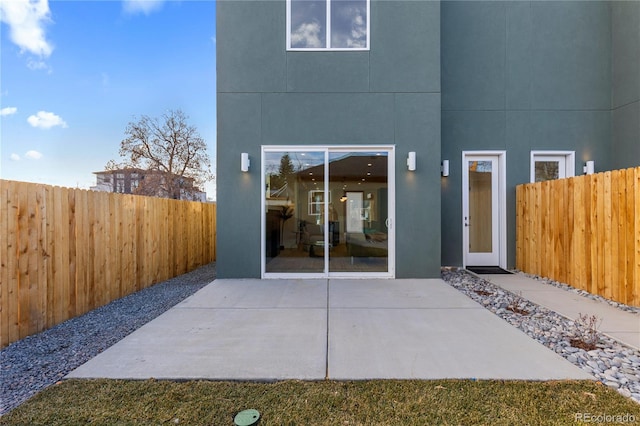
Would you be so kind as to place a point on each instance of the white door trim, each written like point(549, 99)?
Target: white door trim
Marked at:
point(502, 204)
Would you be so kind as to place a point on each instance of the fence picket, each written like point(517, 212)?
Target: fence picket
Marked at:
point(630, 236)
point(635, 291)
point(598, 231)
point(40, 254)
point(623, 254)
point(66, 251)
point(5, 251)
point(71, 284)
point(560, 264)
point(616, 185)
point(50, 219)
point(23, 263)
point(12, 301)
point(536, 228)
point(571, 232)
point(605, 273)
point(544, 229)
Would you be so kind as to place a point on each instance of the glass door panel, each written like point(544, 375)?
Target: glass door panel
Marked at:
point(481, 210)
point(480, 207)
point(294, 212)
point(358, 212)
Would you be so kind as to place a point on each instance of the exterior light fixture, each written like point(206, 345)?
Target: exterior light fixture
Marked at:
point(411, 161)
point(244, 162)
point(445, 168)
point(589, 167)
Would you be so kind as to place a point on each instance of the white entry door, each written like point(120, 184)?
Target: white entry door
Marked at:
point(484, 209)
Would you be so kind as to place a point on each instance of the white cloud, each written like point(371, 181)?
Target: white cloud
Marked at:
point(349, 28)
point(8, 111)
point(26, 20)
point(46, 120)
point(38, 65)
point(141, 6)
point(33, 155)
point(15, 157)
point(307, 35)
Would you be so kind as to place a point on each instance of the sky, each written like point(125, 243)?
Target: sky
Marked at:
point(73, 74)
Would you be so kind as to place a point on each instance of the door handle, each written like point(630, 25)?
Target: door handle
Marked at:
point(387, 223)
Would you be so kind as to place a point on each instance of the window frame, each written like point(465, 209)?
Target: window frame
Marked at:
point(568, 157)
point(328, 33)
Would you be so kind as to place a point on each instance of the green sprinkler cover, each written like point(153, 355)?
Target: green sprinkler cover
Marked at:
point(247, 418)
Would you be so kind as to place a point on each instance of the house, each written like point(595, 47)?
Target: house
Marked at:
point(386, 138)
point(147, 182)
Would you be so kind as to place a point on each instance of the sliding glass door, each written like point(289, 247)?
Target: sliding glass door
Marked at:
point(327, 211)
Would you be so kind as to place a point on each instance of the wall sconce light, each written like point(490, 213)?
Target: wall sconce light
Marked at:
point(445, 168)
point(589, 167)
point(244, 162)
point(411, 161)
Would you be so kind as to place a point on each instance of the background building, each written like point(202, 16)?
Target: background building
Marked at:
point(147, 182)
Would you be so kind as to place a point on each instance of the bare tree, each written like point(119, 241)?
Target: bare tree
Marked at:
point(171, 153)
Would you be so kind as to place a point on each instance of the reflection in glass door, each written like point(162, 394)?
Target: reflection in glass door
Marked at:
point(326, 212)
point(359, 180)
point(481, 210)
point(481, 206)
point(294, 202)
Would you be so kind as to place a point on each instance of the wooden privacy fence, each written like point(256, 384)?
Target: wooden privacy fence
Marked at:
point(64, 252)
point(583, 231)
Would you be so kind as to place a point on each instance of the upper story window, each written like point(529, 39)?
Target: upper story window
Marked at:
point(328, 24)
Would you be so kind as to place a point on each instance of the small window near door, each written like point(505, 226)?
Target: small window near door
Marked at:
point(550, 165)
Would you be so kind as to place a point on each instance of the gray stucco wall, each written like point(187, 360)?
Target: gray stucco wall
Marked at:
point(625, 97)
point(521, 76)
point(388, 95)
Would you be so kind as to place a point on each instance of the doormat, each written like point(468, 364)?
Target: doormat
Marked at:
point(486, 270)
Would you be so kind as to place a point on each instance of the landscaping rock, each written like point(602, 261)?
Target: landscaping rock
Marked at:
point(609, 363)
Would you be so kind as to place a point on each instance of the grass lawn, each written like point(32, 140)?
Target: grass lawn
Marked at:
point(375, 402)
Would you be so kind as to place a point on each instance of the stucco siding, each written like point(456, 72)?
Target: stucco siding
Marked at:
point(625, 96)
point(521, 76)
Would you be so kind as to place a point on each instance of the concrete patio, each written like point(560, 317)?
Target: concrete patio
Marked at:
point(335, 329)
